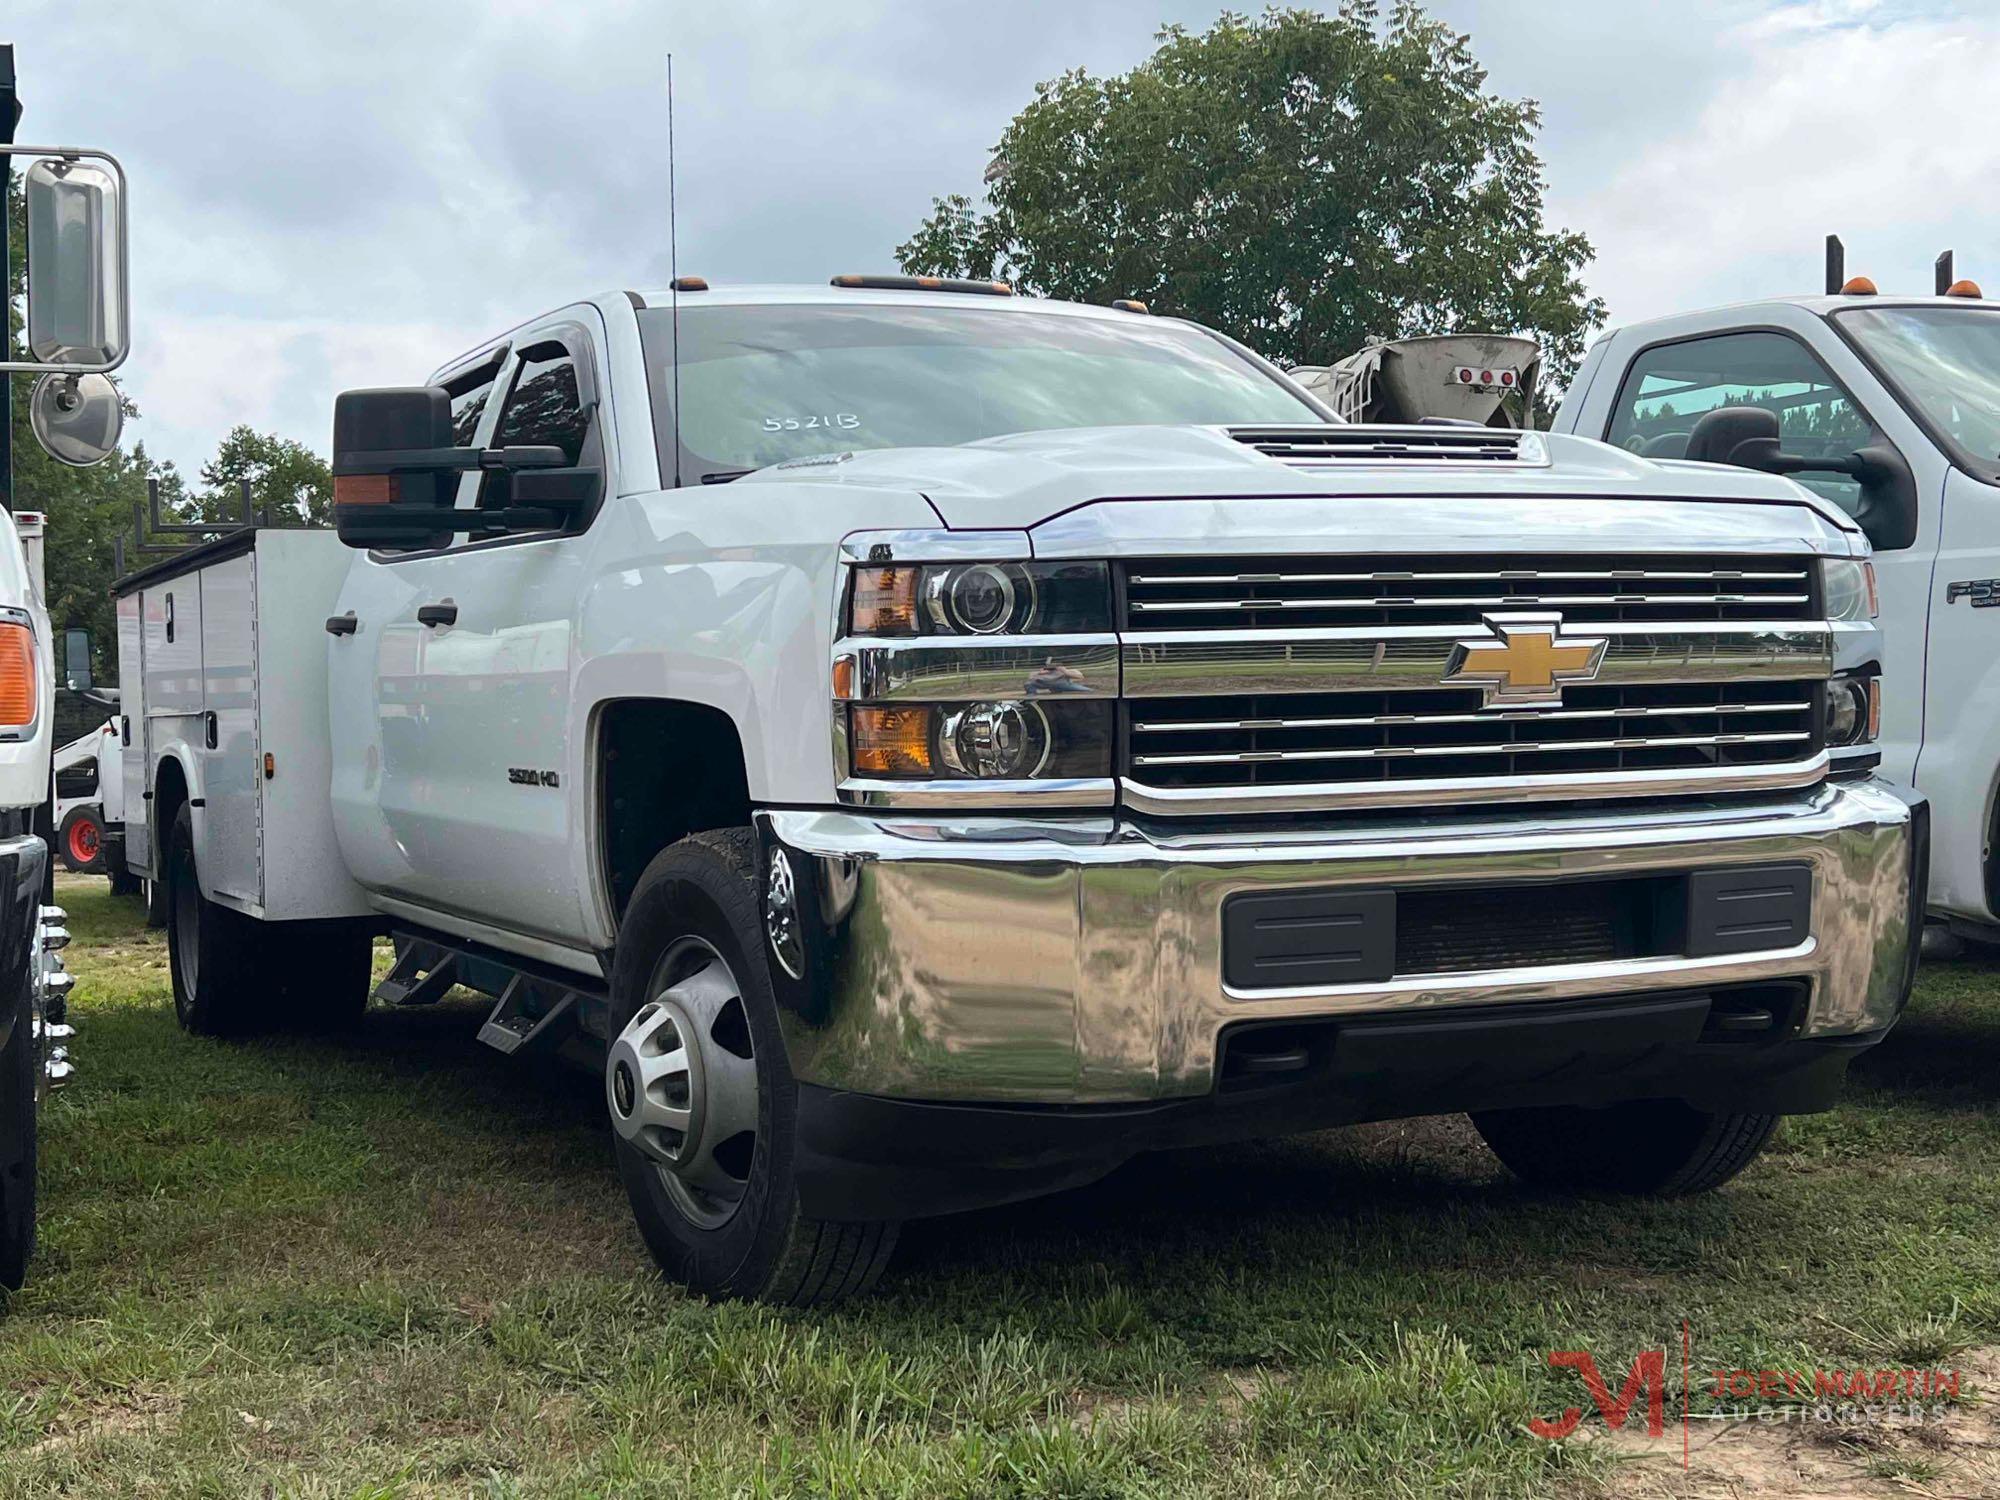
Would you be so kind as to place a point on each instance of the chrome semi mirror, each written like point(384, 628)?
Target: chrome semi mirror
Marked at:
point(78, 297)
point(76, 418)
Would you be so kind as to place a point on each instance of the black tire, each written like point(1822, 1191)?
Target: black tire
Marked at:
point(20, 1060)
point(233, 974)
point(80, 840)
point(705, 888)
point(1659, 1147)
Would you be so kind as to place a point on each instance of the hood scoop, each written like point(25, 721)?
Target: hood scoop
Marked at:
point(1333, 446)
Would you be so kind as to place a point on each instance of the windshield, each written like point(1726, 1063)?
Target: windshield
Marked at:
point(763, 383)
point(1945, 364)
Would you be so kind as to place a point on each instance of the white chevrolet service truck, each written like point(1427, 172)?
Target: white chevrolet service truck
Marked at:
point(926, 746)
point(1888, 407)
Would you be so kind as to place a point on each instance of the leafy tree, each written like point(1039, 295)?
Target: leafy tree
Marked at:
point(288, 481)
point(1303, 182)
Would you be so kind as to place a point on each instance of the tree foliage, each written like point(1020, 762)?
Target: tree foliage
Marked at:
point(1303, 182)
point(288, 481)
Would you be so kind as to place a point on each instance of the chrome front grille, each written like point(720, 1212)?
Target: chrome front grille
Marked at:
point(1362, 740)
point(1300, 683)
point(1236, 593)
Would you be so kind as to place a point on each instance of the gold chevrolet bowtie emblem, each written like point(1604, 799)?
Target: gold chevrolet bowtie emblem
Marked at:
point(1524, 662)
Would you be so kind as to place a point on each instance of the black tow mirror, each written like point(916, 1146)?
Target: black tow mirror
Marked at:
point(396, 472)
point(1748, 437)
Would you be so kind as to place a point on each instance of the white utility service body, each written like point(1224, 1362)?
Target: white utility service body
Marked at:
point(1644, 385)
point(222, 690)
point(908, 816)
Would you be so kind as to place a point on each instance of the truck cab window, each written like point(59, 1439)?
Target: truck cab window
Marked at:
point(1670, 387)
point(544, 407)
point(469, 396)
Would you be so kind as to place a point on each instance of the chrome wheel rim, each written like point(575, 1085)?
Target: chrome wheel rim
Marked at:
point(681, 1083)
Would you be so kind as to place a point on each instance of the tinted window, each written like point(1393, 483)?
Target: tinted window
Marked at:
point(1669, 387)
point(469, 396)
point(1945, 363)
point(761, 384)
point(544, 408)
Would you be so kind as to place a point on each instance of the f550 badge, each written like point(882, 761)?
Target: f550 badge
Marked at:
point(529, 776)
point(1984, 593)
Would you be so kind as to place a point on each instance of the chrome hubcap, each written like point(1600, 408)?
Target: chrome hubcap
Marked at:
point(681, 1083)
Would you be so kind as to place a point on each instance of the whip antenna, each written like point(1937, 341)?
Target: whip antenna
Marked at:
point(674, 270)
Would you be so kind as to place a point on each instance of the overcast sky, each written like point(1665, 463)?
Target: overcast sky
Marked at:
point(335, 195)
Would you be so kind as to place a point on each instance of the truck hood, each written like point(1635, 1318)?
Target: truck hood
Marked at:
point(1078, 489)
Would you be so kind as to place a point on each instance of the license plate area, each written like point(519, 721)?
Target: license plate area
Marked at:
point(1324, 938)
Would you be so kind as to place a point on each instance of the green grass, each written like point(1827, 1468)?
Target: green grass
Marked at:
point(402, 1266)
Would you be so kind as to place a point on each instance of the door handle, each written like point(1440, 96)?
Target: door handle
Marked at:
point(214, 729)
point(437, 614)
point(342, 624)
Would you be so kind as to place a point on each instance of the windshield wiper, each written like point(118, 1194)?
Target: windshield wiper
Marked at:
point(723, 476)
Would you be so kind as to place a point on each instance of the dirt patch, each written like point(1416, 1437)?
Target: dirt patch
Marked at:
point(153, 1413)
point(1953, 1456)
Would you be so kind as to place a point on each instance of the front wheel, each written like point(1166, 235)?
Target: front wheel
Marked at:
point(702, 1101)
point(1659, 1147)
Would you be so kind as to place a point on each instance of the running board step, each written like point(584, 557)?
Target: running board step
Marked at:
point(528, 1014)
point(422, 973)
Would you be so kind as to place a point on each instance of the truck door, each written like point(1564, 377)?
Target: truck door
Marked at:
point(468, 813)
point(1667, 385)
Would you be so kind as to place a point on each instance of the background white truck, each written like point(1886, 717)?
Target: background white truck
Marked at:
point(73, 201)
point(925, 746)
point(1888, 406)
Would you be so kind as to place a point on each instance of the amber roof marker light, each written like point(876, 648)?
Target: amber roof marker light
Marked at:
point(859, 282)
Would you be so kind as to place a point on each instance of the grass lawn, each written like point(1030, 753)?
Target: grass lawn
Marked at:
point(402, 1266)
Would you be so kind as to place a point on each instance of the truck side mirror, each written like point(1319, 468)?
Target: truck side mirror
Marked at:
point(395, 470)
point(76, 262)
point(77, 676)
point(1747, 436)
point(395, 474)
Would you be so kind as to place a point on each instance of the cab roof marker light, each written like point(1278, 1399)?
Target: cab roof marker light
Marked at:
point(1130, 304)
point(689, 284)
point(1857, 286)
point(860, 282)
point(1963, 288)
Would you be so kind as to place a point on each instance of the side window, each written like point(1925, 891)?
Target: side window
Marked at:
point(1668, 388)
point(470, 390)
point(544, 407)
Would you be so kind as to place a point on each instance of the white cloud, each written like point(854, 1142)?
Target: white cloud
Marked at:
point(1847, 121)
point(326, 196)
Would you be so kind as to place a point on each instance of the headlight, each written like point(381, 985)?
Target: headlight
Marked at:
point(1853, 709)
point(980, 598)
point(1848, 586)
point(1017, 739)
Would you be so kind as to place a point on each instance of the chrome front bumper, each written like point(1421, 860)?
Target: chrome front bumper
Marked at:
point(1079, 961)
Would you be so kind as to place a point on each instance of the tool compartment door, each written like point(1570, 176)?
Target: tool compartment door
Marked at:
point(226, 829)
point(131, 767)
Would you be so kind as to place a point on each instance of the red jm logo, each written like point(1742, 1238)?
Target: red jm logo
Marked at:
point(1648, 1374)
